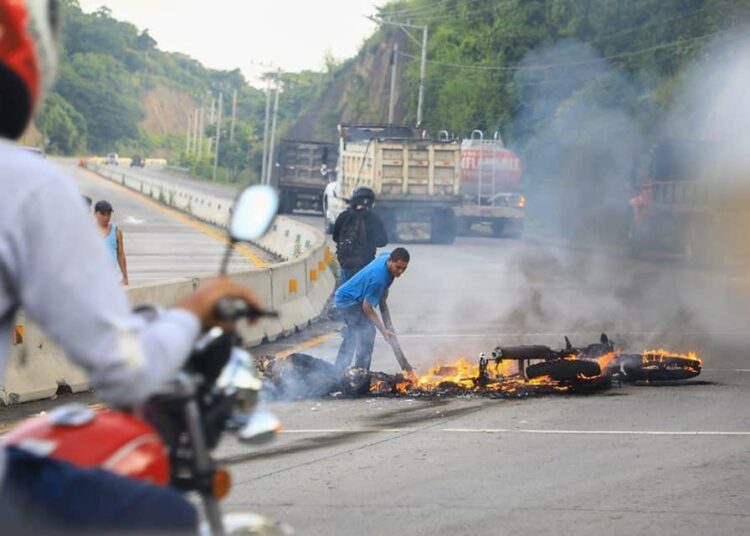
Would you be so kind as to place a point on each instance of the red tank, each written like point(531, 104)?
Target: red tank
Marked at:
point(112, 440)
point(491, 161)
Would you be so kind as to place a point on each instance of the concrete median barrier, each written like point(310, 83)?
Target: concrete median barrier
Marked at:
point(298, 288)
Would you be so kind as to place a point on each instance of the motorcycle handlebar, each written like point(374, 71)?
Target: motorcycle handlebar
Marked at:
point(236, 308)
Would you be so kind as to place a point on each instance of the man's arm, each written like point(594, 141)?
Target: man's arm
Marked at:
point(66, 284)
point(372, 314)
point(121, 257)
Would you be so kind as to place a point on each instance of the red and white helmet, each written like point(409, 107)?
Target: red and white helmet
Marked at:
point(29, 35)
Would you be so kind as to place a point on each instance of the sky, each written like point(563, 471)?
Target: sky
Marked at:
point(252, 35)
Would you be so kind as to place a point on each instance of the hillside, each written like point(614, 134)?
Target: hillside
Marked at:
point(359, 91)
point(580, 88)
point(117, 91)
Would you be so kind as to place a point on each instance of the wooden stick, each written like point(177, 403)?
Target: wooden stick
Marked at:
point(393, 341)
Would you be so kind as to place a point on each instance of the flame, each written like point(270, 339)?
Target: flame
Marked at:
point(662, 354)
point(605, 360)
point(504, 376)
point(463, 374)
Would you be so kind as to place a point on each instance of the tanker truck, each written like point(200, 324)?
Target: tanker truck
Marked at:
point(491, 178)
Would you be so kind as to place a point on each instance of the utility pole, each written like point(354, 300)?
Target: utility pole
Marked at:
point(189, 137)
point(269, 166)
point(196, 113)
point(422, 66)
point(405, 26)
point(218, 133)
point(234, 116)
point(394, 71)
point(200, 132)
point(265, 133)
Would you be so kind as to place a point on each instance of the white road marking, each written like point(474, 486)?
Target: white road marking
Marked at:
point(703, 433)
point(444, 335)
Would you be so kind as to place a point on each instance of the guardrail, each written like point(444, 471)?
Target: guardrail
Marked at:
point(298, 288)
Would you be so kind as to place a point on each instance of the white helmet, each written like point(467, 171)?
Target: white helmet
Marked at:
point(29, 36)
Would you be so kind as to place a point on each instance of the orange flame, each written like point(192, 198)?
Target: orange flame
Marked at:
point(463, 374)
point(661, 354)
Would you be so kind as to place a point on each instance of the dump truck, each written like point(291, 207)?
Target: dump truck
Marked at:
point(491, 180)
point(415, 180)
point(301, 172)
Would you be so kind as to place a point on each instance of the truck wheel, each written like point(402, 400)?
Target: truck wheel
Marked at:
point(462, 227)
point(389, 222)
point(443, 227)
point(498, 228)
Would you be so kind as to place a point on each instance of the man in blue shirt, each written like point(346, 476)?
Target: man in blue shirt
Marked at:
point(357, 300)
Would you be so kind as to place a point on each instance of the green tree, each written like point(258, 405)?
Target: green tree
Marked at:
point(63, 127)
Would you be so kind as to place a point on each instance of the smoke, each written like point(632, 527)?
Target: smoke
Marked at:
point(585, 140)
point(713, 105)
point(582, 138)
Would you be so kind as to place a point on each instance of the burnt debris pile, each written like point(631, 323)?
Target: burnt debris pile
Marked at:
point(510, 372)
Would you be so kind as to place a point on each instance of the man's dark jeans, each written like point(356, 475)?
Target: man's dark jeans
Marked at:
point(43, 496)
point(359, 339)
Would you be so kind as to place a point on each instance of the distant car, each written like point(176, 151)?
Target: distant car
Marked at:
point(137, 161)
point(113, 159)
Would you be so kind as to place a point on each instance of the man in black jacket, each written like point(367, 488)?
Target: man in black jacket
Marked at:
point(358, 232)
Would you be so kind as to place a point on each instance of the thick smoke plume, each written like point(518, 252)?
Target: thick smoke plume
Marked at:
point(585, 150)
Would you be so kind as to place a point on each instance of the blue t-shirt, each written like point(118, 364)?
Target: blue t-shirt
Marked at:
point(370, 284)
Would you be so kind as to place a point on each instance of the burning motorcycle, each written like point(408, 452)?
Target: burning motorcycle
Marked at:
point(168, 441)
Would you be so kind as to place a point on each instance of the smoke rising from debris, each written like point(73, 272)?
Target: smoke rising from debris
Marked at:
point(585, 143)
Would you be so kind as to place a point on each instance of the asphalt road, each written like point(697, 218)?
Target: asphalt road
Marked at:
point(648, 459)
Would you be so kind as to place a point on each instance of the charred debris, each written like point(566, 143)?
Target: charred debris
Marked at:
point(508, 372)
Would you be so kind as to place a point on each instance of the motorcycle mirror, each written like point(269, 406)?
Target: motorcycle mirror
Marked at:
point(240, 374)
point(261, 427)
point(253, 213)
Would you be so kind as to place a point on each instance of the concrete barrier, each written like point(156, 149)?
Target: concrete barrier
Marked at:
point(297, 288)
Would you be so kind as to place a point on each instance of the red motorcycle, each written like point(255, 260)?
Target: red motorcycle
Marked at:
point(168, 441)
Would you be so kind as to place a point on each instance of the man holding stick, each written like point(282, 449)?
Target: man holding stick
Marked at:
point(357, 300)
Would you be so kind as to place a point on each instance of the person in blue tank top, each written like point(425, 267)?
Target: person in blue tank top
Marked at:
point(357, 300)
point(112, 236)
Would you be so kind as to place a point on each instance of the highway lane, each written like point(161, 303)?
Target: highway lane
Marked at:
point(664, 459)
point(161, 244)
point(659, 459)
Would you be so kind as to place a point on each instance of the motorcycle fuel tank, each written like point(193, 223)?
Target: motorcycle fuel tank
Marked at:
point(111, 440)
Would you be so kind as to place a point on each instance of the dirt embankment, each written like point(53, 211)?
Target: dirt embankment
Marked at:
point(167, 110)
point(359, 93)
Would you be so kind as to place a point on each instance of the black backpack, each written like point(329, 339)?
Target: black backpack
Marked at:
point(353, 250)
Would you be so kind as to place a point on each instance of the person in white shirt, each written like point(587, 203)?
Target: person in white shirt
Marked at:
point(54, 266)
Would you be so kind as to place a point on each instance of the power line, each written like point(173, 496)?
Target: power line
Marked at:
point(437, 17)
point(575, 63)
point(432, 16)
point(415, 11)
point(648, 25)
